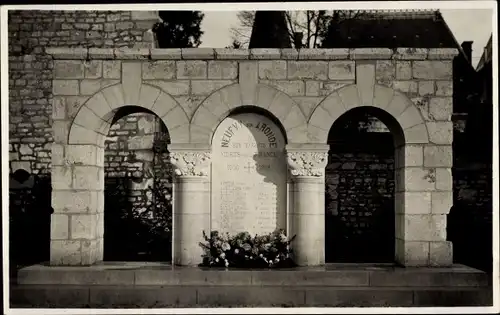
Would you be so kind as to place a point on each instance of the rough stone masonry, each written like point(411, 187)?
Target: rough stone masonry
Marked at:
point(191, 90)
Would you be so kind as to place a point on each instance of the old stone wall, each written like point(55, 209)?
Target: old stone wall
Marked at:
point(30, 82)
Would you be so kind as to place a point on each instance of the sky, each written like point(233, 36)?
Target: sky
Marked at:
point(466, 25)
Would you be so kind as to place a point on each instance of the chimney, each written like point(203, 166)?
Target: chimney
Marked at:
point(467, 47)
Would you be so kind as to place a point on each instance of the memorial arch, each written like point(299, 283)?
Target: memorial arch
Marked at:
point(420, 224)
point(77, 227)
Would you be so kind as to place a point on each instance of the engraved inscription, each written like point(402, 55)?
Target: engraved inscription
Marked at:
point(248, 175)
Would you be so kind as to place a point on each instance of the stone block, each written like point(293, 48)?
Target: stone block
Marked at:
point(59, 107)
point(68, 69)
point(433, 70)
point(232, 54)
point(192, 69)
point(416, 134)
point(272, 69)
point(89, 87)
point(412, 253)
point(88, 119)
point(175, 117)
point(289, 54)
point(166, 53)
point(399, 103)
point(222, 70)
point(74, 201)
point(294, 118)
point(341, 70)
point(410, 117)
point(199, 134)
point(438, 156)
point(215, 105)
point(403, 70)
point(317, 70)
point(328, 87)
point(442, 201)
point(144, 16)
point(265, 96)
point(440, 132)
point(60, 130)
point(411, 53)
point(441, 108)
point(385, 72)
point(441, 254)
point(82, 154)
point(413, 202)
point(248, 78)
point(425, 227)
point(86, 178)
point(444, 179)
point(75, 53)
point(93, 69)
point(313, 87)
point(111, 69)
point(265, 53)
point(65, 252)
point(442, 53)
point(100, 53)
point(198, 53)
point(418, 179)
point(83, 226)
point(365, 80)
point(444, 88)
point(160, 69)
point(65, 87)
point(410, 156)
point(382, 96)
point(204, 118)
point(61, 177)
point(357, 297)
point(291, 88)
point(407, 87)
point(426, 88)
point(174, 88)
point(323, 54)
point(125, 53)
point(131, 82)
point(321, 118)
point(334, 106)
point(207, 87)
point(147, 96)
point(370, 53)
point(349, 96)
point(59, 226)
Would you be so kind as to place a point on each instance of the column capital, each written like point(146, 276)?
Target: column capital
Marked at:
point(192, 162)
point(307, 160)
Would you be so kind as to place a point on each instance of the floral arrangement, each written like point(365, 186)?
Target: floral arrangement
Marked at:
point(244, 251)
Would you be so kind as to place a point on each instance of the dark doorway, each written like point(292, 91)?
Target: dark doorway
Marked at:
point(360, 217)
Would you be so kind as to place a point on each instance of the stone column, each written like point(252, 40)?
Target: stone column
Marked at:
point(191, 211)
point(307, 217)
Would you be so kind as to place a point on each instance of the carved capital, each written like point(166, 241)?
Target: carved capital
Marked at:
point(306, 163)
point(190, 163)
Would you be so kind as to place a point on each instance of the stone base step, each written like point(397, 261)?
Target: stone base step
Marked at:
point(65, 296)
point(161, 285)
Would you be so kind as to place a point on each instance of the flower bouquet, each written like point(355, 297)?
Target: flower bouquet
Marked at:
point(245, 251)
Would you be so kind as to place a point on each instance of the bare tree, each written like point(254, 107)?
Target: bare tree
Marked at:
point(312, 25)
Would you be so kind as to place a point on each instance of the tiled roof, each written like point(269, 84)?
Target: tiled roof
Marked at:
point(393, 28)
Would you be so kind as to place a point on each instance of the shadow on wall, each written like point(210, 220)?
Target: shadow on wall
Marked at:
point(29, 218)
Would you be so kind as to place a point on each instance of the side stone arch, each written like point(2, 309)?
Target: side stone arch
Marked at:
point(220, 103)
point(93, 120)
point(408, 117)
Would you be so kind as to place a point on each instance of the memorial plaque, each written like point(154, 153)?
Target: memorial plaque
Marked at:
point(248, 175)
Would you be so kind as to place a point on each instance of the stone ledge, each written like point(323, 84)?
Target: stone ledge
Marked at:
point(82, 53)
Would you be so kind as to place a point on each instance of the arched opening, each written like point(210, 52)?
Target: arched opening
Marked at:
point(249, 181)
point(360, 188)
point(138, 188)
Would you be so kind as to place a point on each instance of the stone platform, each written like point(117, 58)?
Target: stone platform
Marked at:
point(147, 285)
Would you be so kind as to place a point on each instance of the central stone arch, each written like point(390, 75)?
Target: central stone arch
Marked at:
point(422, 168)
point(222, 102)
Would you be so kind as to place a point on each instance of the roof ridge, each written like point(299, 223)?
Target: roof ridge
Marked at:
point(400, 14)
